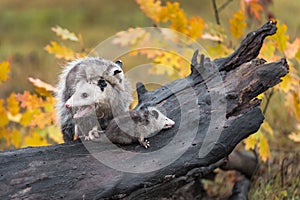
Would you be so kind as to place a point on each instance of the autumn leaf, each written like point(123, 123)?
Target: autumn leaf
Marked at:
point(195, 27)
point(264, 151)
point(65, 34)
point(60, 51)
point(35, 139)
point(3, 115)
point(27, 116)
point(131, 37)
point(237, 24)
point(254, 8)
point(41, 119)
point(13, 104)
point(29, 101)
point(266, 128)
point(292, 48)
point(151, 8)
point(268, 51)
point(280, 38)
point(42, 88)
point(4, 71)
point(54, 134)
point(15, 138)
point(250, 142)
point(295, 136)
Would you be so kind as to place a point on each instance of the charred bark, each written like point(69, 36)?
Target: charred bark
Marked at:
point(214, 109)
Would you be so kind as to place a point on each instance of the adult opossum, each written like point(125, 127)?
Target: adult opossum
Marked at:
point(133, 126)
point(106, 74)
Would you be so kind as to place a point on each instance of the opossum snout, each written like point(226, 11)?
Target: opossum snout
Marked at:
point(67, 105)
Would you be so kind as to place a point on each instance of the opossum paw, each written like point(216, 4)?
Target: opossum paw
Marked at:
point(87, 138)
point(146, 144)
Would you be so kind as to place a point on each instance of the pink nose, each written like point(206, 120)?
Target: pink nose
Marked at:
point(68, 105)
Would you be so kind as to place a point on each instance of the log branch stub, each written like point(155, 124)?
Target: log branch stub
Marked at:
point(249, 48)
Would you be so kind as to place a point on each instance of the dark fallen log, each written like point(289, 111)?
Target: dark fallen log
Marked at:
point(214, 109)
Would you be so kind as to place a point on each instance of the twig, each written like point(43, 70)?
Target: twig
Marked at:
point(268, 101)
point(216, 12)
point(224, 5)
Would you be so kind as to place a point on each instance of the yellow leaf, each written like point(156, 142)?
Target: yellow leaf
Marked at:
point(15, 138)
point(266, 128)
point(4, 71)
point(280, 38)
point(65, 34)
point(13, 104)
point(41, 119)
point(42, 88)
point(35, 139)
point(250, 142)
point(264, 150)
point(295, 136)
point(60, 51)
point(290, 81)
point(237, 24)
point(297, 55)
point(267, 51)
point(27, 117)
point(151, 8)
point(54, 133)
point(195, 27)
point(3, 115)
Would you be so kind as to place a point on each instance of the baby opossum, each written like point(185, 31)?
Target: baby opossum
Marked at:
point(91, 69)
point(134, 126)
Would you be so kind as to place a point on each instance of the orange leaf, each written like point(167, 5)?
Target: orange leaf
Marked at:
point(237, 24)
point(151, 8)
point(42, 88)
point(29, 101)
point(255, 8)
point(292, 48)
point(195, 27)
point(4, 71)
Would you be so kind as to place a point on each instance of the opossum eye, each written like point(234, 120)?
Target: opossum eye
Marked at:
point(117, 72)
point(84, 95)
point(102, 83)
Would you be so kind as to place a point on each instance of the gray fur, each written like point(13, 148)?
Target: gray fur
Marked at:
point(90, 69)
point(133, 126)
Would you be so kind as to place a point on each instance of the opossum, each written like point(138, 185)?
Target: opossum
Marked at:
point(134, 126)
point(117, 98)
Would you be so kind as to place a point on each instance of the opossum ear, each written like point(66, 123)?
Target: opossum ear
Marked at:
point(155, 114)
point(119, 63)
point(117, 72)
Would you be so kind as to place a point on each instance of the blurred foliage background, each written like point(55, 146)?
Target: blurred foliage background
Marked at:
point(25, 31)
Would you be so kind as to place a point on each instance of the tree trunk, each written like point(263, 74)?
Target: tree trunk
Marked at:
point(214, 109)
